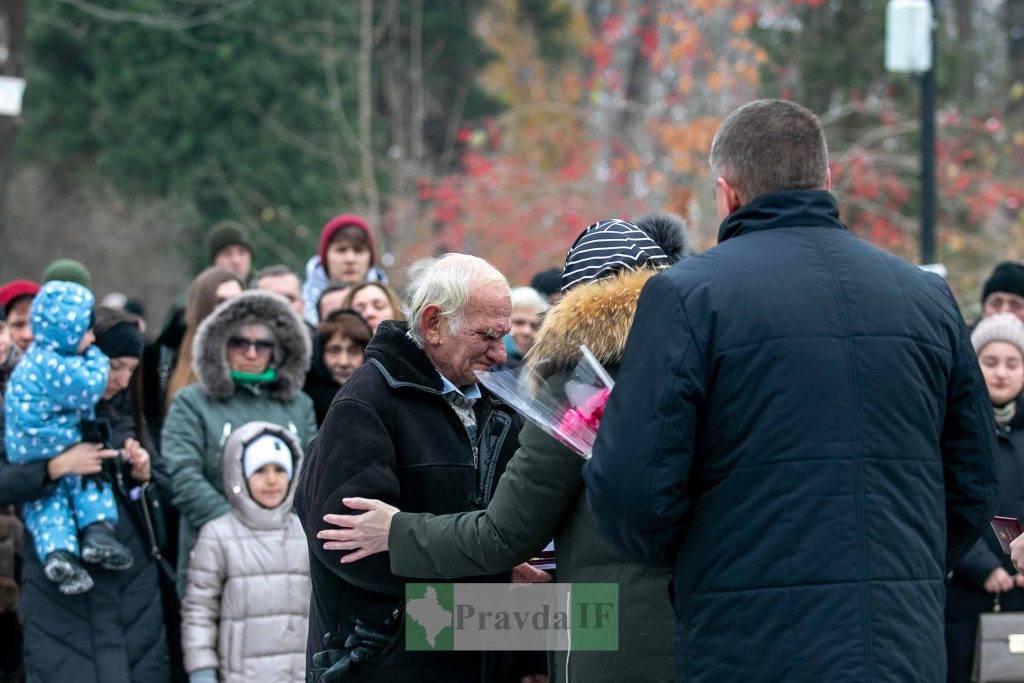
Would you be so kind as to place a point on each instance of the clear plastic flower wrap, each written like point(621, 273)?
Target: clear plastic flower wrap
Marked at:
point(572, 416)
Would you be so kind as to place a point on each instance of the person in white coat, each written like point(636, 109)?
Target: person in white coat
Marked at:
point(246, 609)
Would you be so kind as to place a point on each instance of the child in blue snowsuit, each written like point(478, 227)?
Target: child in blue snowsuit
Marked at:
point(53, 388)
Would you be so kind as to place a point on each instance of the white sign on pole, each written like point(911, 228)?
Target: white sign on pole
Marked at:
point(908, 36)
point(11, 91)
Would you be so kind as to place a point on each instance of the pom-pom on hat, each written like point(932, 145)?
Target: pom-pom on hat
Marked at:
point(668, 231)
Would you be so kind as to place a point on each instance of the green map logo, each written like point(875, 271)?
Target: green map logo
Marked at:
point(430, 616)
point(442, 617)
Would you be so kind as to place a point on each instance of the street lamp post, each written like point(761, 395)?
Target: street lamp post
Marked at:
point(910, 48)
point(928, 160)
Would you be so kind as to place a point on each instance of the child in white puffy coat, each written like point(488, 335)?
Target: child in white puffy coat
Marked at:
point(246, 610)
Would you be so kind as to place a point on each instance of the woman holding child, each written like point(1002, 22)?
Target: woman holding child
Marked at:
point(114, 629)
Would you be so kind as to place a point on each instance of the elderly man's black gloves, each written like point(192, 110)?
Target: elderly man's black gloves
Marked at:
point(341, 656)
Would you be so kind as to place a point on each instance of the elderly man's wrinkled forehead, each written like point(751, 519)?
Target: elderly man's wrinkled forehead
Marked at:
point(489, 309)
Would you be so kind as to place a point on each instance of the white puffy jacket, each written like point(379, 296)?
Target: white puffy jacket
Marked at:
point(246, 610)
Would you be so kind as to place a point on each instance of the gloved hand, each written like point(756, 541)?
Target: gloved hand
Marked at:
point(203, 676)
point(331, 664)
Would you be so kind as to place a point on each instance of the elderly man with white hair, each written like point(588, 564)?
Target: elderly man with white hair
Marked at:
point(413, 429)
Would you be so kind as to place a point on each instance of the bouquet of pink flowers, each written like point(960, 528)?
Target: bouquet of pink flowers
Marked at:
point(571, 416)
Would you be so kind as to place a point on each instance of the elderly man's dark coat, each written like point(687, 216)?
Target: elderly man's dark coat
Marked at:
point(800, 425)
point(390, 434)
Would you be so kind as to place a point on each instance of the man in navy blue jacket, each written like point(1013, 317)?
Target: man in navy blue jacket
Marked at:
point(800, 426)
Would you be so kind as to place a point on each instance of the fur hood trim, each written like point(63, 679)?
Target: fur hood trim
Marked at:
point(209, 350)
point(598, 314)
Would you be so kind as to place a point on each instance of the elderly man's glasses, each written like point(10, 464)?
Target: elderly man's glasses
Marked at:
point(242, 345)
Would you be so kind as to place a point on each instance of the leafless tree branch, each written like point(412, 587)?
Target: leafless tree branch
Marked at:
point(163, 20)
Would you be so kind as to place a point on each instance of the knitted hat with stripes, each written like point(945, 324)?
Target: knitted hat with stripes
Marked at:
point(607, 247)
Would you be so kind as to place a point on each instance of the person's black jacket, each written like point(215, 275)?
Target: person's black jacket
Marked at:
point(152, 513)
point(115, 632)
point(966, 598)
point(158, 361)
point(391, 435)
point(801, 427)
point(320, 385)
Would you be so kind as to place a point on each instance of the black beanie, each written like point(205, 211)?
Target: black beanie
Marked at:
point(547, 282)
point(226, 234)
point(123, 339)
point(1008, 276)
point(135, 307)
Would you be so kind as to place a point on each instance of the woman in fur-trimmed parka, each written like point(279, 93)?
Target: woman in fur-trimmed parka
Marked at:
point(246, 610)
point(250, 356)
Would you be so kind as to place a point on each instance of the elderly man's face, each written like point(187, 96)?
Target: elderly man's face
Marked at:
point(477, 343)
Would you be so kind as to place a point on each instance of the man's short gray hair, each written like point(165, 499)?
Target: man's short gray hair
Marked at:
point(446, 282)
point(528, 297)
point(768, 146)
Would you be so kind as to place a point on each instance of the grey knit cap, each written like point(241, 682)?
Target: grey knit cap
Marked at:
point(1005, 327)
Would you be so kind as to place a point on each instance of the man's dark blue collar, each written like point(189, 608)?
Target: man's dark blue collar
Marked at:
point(786, 209)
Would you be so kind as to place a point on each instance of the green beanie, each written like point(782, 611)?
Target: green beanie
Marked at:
point(226, 234)
point(68, 270)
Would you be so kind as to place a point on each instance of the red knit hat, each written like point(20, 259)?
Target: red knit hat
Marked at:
point(15, 289)
point(331, 228)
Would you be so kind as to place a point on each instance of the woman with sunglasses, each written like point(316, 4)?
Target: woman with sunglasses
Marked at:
point(250, 357)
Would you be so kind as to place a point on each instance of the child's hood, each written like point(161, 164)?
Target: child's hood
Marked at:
point(252, 513)
point(61, 314)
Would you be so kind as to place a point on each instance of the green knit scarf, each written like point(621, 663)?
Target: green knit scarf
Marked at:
point(265, 377)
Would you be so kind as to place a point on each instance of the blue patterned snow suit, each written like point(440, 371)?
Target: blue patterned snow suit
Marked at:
point(51, 390)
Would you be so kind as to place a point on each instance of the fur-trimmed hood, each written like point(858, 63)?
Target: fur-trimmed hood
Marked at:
point(598, 314)
point(209, 350)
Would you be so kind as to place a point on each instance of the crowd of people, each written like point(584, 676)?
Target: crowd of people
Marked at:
point(155, 477)
point(801, 455)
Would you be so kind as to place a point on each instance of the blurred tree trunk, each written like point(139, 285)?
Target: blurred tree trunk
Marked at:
point(367, 157)
point(12, 17)
point(1015, 43)
point(966, 67)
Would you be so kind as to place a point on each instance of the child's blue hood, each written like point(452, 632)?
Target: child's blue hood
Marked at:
point(61, 314)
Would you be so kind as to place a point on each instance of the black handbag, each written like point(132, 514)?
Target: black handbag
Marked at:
point(999, 647)
point(147, 518)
